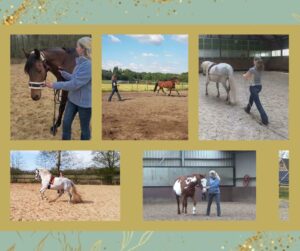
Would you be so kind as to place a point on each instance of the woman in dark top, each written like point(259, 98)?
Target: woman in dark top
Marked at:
point(114, 88)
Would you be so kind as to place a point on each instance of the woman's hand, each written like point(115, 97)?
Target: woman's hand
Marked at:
point(49, 84)
point(247, 75)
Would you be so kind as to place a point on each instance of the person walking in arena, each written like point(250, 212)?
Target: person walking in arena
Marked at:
point(254, 75)
point(114, 85)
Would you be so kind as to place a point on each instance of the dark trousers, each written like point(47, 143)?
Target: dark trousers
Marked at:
point(114, 90)
point(84, 117)
point(254, 97)
point(211, 197)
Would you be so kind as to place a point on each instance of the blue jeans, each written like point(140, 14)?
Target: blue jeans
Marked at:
point(211, 197)
point(254, 97)
point(84, 117)
point(114, 90)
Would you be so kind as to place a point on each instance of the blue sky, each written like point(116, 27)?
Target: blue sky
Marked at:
point(29, 158)
point(146, 53)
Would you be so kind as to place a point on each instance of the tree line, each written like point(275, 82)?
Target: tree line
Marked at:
point(103, 162)
point(30, 42)
point(132, 76)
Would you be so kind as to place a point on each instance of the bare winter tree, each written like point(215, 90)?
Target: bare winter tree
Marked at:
point(58, 159)
point(110, 159)
point(16, 160)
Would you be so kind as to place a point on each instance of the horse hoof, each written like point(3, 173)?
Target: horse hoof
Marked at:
point(206, 94)
point(53, 130)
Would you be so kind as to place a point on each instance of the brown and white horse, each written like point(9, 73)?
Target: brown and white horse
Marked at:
point(185, 187)
point(169, 84)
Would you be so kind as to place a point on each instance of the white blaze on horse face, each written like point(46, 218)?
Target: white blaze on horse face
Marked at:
point(177, 187)
point(37, 175)
point(190, 179)
point(203, 183)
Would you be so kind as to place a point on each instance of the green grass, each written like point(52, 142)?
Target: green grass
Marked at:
point(125, 87)
point(284, 192)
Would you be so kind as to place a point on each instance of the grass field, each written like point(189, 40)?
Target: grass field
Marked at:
point(284, 192)
point(128, 87)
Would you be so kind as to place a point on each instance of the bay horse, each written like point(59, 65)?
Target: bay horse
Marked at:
point(61, 184)
point(185, 186)
point(37, 65)
point(169, 84)
point(220, 73)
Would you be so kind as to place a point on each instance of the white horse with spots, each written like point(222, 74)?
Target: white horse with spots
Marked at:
point(184, 187)
point(220, 73)
point(61, 184)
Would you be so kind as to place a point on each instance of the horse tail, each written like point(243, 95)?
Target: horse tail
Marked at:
point(232, 86)
point(76, 197)
point(155, 87)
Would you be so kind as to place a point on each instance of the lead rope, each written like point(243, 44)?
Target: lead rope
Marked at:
point(56, 101)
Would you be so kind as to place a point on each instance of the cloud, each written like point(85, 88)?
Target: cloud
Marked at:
point(114, 39)
point(148, 54)
point(180, 38)
point(155, 39)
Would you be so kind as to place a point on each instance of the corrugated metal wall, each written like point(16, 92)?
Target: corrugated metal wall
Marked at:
point(161, 168)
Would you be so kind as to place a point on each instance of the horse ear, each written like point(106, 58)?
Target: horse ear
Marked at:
point(26, 53)
point(37, 53)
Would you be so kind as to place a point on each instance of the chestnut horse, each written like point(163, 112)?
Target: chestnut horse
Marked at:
point(185, 187)
point(169, 84)
point(38, 63)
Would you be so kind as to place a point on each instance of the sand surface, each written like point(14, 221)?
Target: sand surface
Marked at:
point(145, 115)
point(229, 211)
point(100, 203)
point(220, 121)
point(33, 119)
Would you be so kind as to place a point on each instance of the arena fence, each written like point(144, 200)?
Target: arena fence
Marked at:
point(78, 179)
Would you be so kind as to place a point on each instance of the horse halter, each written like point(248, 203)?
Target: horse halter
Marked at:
point(38, 85)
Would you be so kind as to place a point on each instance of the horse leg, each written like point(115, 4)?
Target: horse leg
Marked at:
point(185, 205)
point(42, 191)
point(194, 207)
point(170, 92)
point(163, 90)
point(70, 195)
point(178, 201)
point(217, 85)
point(62, 106)
point(227, 90)
point(207, 82)
point(58, 196)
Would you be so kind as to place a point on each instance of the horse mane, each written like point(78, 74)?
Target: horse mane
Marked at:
point(69, 50)
point(32, 58)
point(44, 170)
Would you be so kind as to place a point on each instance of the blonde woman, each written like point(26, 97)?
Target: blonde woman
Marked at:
point(79, 85)
point(254, 75)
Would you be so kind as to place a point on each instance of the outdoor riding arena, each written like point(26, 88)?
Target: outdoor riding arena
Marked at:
point(145, 115)
point(161, 169)
point(100, 203)
point(221, 121)
point(33, 119)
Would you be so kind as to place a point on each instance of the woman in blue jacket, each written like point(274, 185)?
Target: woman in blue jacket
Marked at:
point(213, 191)
point(78, 85)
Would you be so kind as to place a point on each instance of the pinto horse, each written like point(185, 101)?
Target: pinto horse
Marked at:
point(61, 184)
point(185, 187)
point(38, 63)
point(220, 73)
point(169, 84)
